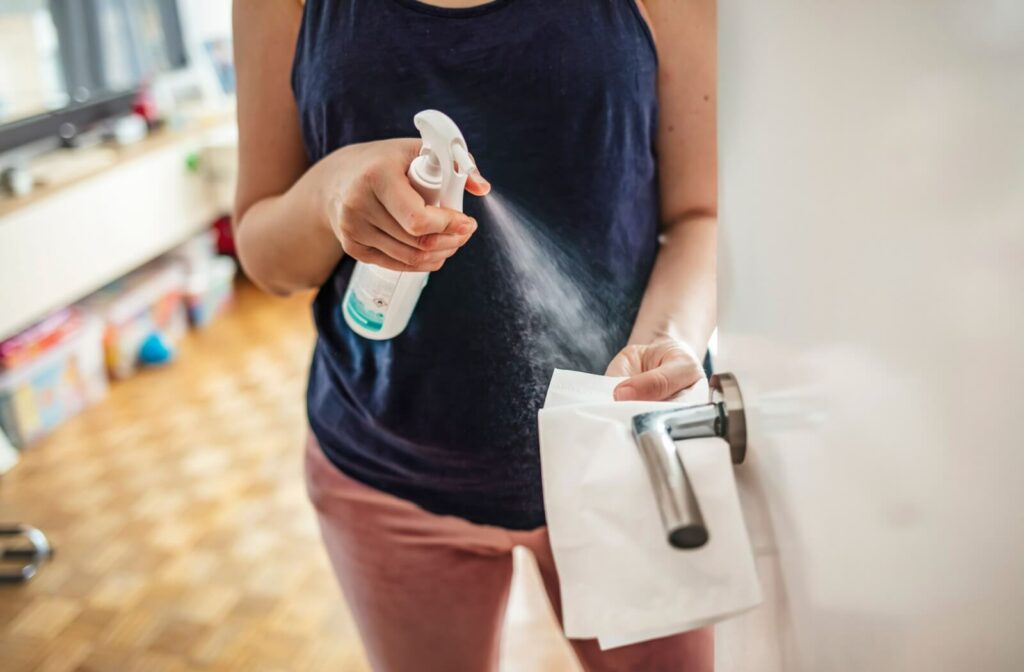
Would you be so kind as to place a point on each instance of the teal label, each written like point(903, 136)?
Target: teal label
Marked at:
point(371, 320)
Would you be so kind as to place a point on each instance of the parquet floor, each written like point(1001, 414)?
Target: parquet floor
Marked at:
point(184, 538)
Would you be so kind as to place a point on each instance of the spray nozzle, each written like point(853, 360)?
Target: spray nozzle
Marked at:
point(428, 165)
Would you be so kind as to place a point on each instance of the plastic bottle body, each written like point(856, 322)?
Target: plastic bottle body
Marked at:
point(379, 302)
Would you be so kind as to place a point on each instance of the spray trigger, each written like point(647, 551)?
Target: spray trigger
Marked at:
point(464, 164)
point(446, 152)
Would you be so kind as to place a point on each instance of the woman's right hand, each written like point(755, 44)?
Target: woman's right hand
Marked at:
point(377, 215)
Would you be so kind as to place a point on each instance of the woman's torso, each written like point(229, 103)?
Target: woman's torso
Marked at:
point(557, 101)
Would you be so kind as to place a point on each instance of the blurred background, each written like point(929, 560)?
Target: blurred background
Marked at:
point(152, 506)
point(151, 399)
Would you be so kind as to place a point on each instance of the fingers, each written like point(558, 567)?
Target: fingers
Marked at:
point(368, 226)
point(406, 207)
point(382, 219)
point(374, 256)
point(412, 258)
point(628, 362)
point(455, 237)
point(658, 384)
point(619, 366)
point(477, 185)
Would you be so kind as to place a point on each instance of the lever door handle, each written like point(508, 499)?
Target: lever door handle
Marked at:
point(656, 435)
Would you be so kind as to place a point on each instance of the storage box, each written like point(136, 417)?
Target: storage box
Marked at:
point(38, 394)
point(196, 253)
point(147, 303)
point(209, 279)
point(209, 291)
point(39, 338)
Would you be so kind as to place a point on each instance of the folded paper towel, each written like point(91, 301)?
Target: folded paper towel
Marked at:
point(621, 582)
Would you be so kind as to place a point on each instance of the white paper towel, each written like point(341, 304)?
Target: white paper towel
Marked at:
point(621, 582)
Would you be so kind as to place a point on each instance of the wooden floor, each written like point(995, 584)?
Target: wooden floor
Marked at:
point(184, 539)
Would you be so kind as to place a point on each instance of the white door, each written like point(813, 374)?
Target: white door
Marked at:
point(872, 303)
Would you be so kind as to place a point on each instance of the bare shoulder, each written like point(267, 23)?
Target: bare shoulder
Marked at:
point(668, 16)
point(290, 11)
point(642, 6)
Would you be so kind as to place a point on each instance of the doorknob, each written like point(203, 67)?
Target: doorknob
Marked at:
point(656, 434)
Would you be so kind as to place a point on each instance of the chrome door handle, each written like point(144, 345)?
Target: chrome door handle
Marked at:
point(656, 434)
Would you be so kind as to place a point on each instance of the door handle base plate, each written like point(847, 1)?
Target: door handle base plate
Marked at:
point(725, 389)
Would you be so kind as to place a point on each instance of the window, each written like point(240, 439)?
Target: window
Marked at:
point(31, 78)
point(56, 53)
point(113, 45)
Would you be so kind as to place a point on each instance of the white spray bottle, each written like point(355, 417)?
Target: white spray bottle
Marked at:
point(379, 302)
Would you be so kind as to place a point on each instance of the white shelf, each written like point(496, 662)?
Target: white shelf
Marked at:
point(57, 249)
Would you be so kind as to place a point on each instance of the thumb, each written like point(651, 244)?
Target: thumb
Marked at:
point(657, 384)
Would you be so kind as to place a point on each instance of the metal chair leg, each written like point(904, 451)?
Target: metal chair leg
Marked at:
point(28, 550)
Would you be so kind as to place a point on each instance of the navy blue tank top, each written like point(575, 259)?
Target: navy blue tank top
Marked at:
point(557, 101)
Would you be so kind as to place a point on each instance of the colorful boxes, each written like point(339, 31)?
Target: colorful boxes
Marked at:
point(142, 307)
point(58, 380)
point(59, 366)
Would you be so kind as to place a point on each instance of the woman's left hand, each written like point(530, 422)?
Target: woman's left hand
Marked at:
point(657, 372)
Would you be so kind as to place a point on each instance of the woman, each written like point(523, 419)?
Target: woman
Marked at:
point(599, 115)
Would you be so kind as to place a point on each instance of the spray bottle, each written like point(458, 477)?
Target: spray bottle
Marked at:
point(379, 302)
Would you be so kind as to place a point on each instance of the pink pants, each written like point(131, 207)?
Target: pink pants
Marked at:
point(428, 592)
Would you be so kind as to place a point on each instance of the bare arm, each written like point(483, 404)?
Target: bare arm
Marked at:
point(678, 312)
point(294, 222)
point(282, 235)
